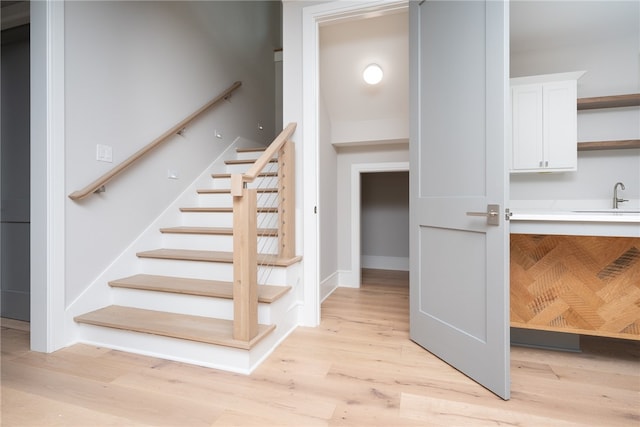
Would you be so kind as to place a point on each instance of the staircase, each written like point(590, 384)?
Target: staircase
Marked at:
point(180, 306)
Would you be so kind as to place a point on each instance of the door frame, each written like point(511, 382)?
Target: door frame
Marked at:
point(48, 198)
point(357, 169)
point(312, 18)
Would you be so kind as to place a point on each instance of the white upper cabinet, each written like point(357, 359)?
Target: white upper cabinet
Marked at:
point(544, 123)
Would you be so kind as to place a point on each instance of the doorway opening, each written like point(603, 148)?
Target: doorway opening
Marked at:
point(379, 203)
point(15, 177)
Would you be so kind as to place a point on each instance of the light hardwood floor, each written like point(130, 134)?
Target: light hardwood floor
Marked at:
point(358, 368)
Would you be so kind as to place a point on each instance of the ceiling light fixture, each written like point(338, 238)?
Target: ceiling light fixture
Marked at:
point(372, 74)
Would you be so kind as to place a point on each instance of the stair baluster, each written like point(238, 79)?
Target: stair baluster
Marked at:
point(245, 251)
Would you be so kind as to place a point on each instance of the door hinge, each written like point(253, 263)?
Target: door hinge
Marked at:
point(315, 209)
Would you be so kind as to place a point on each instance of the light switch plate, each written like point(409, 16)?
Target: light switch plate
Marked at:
point(104, 153)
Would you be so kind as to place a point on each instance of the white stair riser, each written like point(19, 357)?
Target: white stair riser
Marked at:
point(220, 308)
point(215, 200)
point(207, 270)
point(270, 200)
point(267, 220)
point(249, 155)
point(213, 242)
point(189, 269)
point(220, 182)
point(201, 219)
point(266, 182)
point(226, 200)
point(211, 356)
point(271, 167)
point(278, 310)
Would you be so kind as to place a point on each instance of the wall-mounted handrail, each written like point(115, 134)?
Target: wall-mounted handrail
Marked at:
point(100, 182)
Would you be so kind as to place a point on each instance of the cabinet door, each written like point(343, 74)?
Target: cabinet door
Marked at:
point(560, 125)
point(527, 148)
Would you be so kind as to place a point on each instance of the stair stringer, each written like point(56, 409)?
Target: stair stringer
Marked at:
point(99, 294)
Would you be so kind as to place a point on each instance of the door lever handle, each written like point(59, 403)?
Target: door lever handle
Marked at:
point(492, 214)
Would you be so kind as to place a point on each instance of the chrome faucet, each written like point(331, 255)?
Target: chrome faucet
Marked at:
point(616, 199)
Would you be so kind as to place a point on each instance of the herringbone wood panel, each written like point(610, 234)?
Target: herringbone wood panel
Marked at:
point(581, 284)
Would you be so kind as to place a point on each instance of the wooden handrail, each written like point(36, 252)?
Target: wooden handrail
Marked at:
point(264, 159)
point(100, 182)
point(245, 237)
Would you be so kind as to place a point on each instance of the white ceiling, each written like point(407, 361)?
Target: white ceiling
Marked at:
point(347, 47)
point(540, 24)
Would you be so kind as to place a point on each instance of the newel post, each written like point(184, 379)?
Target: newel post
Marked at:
point(245, 270)
point(286, 205)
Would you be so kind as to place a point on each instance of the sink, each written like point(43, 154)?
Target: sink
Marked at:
point(608, 211)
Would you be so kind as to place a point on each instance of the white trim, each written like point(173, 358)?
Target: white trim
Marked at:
point(312, 17)
point(356, 170)
point(310, 314)
point(47, 177)
point(329, 285)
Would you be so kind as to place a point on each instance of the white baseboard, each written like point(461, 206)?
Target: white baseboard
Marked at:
point(349, 278)
point(385, 262)
point(328, 285)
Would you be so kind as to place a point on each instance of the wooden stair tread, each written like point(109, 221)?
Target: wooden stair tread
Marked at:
point(213, 256)
point(228, 175)
point(251, 150)
point(182, 285)
point(225, 209)
point(226, 231)
point(245, 161)
point(228, 190)
point(188, 327)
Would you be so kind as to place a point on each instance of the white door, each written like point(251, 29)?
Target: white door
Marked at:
point(459, 108)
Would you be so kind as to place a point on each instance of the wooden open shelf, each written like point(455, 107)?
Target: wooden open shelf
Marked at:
point(614, 101)
point(608, 145)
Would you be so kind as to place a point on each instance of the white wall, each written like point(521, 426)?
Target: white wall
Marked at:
point(328, 208)
point(134, 69)
point(612, 68)
point(385, 220)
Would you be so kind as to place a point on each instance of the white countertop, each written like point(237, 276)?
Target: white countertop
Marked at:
point(576, 216)
point(579, 219)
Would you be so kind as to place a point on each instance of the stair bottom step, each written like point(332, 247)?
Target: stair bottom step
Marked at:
point(195, 328)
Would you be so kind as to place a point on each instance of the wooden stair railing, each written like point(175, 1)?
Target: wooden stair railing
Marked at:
point(245, 235)
point(99, 183)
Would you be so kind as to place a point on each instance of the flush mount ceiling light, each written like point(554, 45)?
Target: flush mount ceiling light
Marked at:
point(372, 74)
